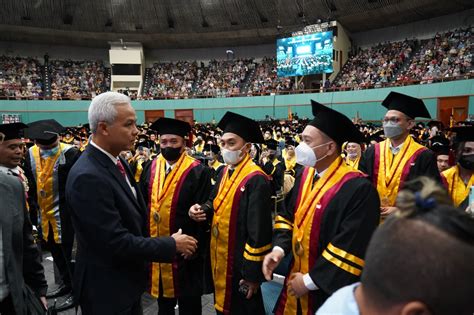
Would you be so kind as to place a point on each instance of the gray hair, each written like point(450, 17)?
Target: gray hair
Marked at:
point(102, 108)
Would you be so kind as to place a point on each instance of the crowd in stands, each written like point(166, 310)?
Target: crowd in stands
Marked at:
point(172, 80)
point(374, 66)
point(77, 79)
point(20, 78)
point(266, 80)
point(443, 57)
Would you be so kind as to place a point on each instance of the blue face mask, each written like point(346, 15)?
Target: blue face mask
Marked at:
point(50, 152)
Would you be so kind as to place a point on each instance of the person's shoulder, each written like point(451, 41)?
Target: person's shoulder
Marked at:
point(341, 302)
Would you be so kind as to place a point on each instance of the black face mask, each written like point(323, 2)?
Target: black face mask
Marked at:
point(467, 162)
point(171, 154)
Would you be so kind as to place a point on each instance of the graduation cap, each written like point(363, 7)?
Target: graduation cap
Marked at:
point(334, 124)
point(440, 149)
point(439, 141)
point(271, 144)
point(290, 141)
point(436, 123)
point(12, 131)
point(142, 138)
point(45, 131)
point(170, 126)
point(376, 136)
point(212, 148)
point(411, 106)
point(242, 126)
point(463, 134)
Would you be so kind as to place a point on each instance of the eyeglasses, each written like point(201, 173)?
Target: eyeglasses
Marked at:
point(393, 120)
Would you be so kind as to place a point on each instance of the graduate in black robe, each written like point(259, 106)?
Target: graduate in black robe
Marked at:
point(336, 224)
point(184, 281)
point(239, 210)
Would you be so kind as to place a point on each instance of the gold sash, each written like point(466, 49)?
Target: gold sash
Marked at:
point(47, 192)
point(391, 168)
point(455, 185)
point(162, 195)
point(307, 207)
point(225, 204)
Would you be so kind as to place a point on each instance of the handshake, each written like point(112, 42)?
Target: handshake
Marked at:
point(185, 245)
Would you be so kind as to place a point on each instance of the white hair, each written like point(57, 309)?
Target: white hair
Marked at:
point(102, 108)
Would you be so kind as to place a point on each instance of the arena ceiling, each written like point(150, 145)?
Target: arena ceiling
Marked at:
point(200, 23)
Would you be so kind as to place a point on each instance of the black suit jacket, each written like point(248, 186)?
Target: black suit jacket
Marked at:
point(21, 255)
point(110, 225)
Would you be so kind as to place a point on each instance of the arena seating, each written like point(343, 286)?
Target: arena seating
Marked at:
point(446, 56)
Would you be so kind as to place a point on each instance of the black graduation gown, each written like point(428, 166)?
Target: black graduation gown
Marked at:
point(348, 222)
point(254, 218)
point(425, 165)
point(195, 189)
point(67, 229)
point(277, 173)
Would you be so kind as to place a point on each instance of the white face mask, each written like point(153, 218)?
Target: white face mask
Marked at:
point(352, 155)
point(231, 157)
point(305, 154)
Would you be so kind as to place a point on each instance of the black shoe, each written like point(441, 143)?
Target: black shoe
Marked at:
point(59, 291)
point(67, 304)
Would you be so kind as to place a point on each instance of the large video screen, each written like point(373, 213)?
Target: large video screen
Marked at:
point(304, 55)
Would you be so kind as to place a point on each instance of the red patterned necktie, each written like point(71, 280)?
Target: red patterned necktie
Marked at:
point(121, 168)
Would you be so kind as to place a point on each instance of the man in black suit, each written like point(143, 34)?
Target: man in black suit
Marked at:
point(19, 257)
point(109, 216)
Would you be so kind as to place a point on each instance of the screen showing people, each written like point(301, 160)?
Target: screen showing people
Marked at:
point(304, 55)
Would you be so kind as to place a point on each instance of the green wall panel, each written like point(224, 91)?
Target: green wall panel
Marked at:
point(365, 103)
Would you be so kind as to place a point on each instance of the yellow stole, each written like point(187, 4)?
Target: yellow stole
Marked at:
point(216, 164)
point(353, 163)
point(225, 206)
point(391, 167)
point(455, 185)
point(308, 205)
point(47, 195)
point(162, 216)
point(139, 170)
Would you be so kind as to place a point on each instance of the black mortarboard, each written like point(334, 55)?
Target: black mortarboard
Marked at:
point(212, 147)
point(242, 126)
point(376, 136)
point(170, 126)
point(439, 141)
point(142, 138)
point(271, 144)
point(463, 134)
point(334, 124)
point(440, 149)
point(290, 141)
point(411, 106)
point(45, 131)
point(13, 130)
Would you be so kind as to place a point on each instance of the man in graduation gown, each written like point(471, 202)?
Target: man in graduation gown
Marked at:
point(328, 220)
point(399, 158)
point(12, 152)
point(274, 167)
point(171, 184)
point(240, 211)
point(48, 164)
point(354, 152)
point(459, 178)
point(212, 152)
